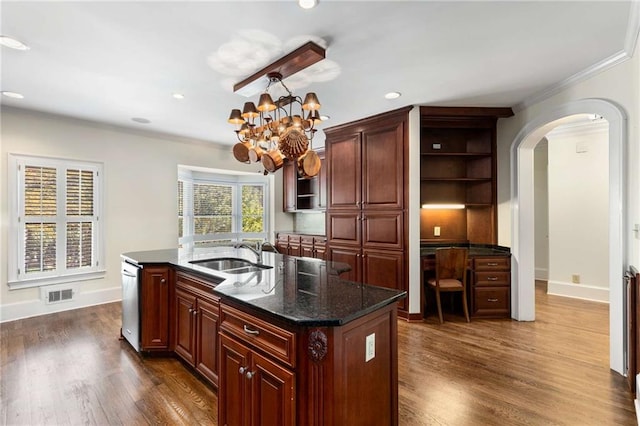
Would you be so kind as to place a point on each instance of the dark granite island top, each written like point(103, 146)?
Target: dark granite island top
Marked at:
point(301, 291)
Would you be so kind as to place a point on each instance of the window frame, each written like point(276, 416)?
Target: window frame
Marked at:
point(191, 177)
point(17, 277)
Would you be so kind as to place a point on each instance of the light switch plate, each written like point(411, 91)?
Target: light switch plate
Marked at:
point(370, 347)
point(436, 231)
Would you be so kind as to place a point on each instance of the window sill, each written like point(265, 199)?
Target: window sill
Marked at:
point(43, 281)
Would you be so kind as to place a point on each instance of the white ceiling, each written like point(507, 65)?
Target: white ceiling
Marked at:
point(112, 61)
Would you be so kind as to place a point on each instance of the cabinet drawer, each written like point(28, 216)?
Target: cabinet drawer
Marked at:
point(491, 263)
point(294, 239)
point(491, 301)
point(306, 240)
point(274, 341)
point(492, 278)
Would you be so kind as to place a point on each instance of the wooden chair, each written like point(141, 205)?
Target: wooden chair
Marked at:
point(451, 276)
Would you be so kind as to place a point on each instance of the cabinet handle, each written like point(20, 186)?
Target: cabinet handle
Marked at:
point(249, 374)
point(162, 281)
point(492, 263)
point(250, 331)
point(492, 278)
point(492, 300)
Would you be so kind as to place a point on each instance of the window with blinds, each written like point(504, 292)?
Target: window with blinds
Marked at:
point(55, 211)
point(215, 209)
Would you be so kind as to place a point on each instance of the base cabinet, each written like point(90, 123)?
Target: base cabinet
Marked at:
point(491, 287)
point(253, 390)
point(154, 302)
point(196, 326)
point(275, 373)
point(302, 245)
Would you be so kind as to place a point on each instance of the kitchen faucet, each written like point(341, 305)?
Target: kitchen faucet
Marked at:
point(257, 251)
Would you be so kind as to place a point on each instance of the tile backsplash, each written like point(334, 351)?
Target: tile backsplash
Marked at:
point(312, 223)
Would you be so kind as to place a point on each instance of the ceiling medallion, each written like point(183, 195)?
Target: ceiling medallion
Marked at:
point(283, 129)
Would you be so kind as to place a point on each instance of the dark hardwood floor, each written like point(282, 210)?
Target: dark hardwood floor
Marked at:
point(70, 368)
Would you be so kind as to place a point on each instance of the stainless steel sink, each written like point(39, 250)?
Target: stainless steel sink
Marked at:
point(230, 265)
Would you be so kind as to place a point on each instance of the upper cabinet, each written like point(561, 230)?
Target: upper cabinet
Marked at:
point(367, 165)
point(458, 174)
point(301, 193)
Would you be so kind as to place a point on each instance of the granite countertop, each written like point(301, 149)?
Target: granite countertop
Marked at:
point(299, 290)
point(429, 249)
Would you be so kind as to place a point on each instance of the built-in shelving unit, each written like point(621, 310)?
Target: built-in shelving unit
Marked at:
point(458, 167)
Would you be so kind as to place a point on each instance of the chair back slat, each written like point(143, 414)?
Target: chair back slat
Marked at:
point(451, 262)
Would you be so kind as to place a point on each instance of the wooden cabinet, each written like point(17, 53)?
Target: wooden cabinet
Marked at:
point(257, 382)
point(366, 210)
point(154, 304)
point(196, 325)
point(491, 287)
point(302, 245)
point(458, 166)
point(272, 373)
point(304, 193)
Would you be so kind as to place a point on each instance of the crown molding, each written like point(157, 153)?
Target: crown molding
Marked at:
point(631, 38)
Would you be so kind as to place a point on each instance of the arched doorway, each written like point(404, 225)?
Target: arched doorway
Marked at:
point(522, 215)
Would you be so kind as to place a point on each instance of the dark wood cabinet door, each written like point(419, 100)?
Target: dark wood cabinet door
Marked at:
point(207, 324)
point(383, 166)
point(343, 227)
point(233, 390)
point(272, 393)
point(385, 268)
point(154, 303)
point(185, 325)
point(350, 256)
point(321, 198)
point(343, 159)
point(306, 250)
point(383, 229)
point(289, 186)
point(320, 251)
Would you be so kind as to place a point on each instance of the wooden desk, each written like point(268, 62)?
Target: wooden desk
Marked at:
point(489, 281)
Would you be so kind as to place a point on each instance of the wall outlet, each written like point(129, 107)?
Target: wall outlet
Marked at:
point(436, 231)
point(575, 278)
point(370, 347)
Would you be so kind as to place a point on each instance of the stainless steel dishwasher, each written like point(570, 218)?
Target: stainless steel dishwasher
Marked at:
point(131, 304)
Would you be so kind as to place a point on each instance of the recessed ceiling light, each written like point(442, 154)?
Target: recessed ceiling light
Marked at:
point(324, 117)
point(13, 95)
point(392, 95)
point(13, 43)
point(178, 96)
point(307, 4)
point(141, 120)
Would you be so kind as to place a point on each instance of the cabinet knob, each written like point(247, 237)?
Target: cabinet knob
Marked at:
point(190, 310)
point(249, 375)
point(242, 370)
point(195, 312)
point(162, 281)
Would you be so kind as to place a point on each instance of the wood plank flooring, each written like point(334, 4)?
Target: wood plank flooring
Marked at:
point(70, 368)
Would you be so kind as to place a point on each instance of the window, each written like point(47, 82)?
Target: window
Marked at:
point(216, 208)
point(55, 221)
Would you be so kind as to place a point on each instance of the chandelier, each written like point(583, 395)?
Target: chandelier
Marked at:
point(277, 130)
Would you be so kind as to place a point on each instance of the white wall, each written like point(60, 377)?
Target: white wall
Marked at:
point(541, 197)
point(140, 192)
point(578, 210)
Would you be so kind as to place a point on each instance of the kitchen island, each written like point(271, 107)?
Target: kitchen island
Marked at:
point(288, 342)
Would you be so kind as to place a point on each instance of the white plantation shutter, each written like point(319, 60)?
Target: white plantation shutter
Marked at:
point(56, 205)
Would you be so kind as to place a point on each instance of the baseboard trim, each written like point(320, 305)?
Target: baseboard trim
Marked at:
point(542, 274)
point(37, 307)
point(578, 291)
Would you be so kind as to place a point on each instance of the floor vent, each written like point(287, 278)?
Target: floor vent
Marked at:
point(57, 296)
